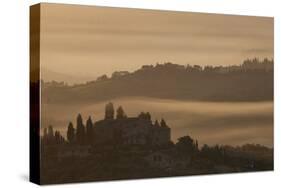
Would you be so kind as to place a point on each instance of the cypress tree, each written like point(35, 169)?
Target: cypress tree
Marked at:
point(50, 135)
point(156, 123)
point(57, 137)
point(148, 116)
point(70, 133)
point(109, 111)
point(163, 123)
point(120, 113)
point(89, 131)
point(80, 133)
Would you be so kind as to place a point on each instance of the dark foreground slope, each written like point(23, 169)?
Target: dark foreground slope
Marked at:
point(133, 163)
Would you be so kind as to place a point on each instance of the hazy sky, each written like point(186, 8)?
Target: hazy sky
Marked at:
point(88, 41)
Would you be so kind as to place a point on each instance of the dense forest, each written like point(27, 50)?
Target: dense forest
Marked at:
point(250, 81)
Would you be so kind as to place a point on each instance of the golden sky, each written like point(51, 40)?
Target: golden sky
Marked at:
point(88, 41)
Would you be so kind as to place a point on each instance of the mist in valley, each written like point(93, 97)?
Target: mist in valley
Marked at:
point(233, 123)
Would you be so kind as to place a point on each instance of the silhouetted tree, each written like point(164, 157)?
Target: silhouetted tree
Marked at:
point(118, 74)
point(109, 111)
point(197, 68)
point(89, 131)
point(102, 78)
point(214, 153)
point(45, 136)
point(50, 131)
point(266, 60)
point(156, 123)
point(50, 137)
point(208, 68)
point(120, 113)
point(142, 115)
point(196, 145)
point(145, 116)
point(163, 123)
point(58, 138)
point(148, 116)
point(45, 133)
point(80, 130)
point(70, 133)
point(185, 146)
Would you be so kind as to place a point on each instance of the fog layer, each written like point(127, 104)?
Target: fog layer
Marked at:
point(209, 122)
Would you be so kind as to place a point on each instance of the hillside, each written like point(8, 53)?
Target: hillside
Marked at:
point(171, 81)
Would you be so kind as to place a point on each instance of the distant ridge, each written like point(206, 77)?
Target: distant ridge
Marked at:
point(251, 81)
point(50, 75)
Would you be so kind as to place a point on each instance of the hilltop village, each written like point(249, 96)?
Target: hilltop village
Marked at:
point(121, 130)
point(121, 147)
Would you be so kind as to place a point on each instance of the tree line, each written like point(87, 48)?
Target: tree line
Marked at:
point(248, 65)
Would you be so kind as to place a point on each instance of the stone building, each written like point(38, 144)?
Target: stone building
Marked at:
point(130, 130)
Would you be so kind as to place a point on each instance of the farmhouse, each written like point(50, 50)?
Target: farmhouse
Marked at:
point(130, 130)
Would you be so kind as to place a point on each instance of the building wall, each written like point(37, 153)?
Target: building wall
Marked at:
point(131, 131)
